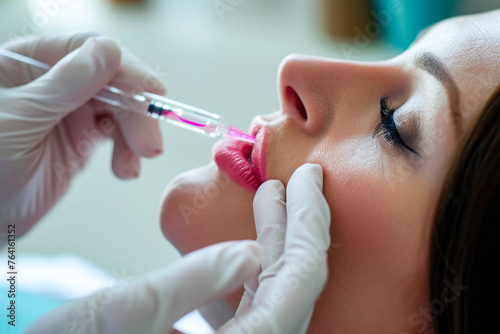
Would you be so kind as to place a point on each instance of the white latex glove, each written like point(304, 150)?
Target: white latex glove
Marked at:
point(151, 305)
point(49, 126)
point(295, 238)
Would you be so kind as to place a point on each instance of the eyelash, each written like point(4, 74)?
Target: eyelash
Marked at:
point(388, 128)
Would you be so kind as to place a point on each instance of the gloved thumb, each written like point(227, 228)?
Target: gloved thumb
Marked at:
point(73, 80)
point(211, 273)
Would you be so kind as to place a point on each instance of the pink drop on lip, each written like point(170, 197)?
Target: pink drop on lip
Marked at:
point(236, 133)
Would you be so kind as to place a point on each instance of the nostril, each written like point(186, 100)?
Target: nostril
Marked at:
point(295, 100)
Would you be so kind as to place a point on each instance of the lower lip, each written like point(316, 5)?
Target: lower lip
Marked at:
point(232, 157)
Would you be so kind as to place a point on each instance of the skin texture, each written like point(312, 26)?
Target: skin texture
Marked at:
point(382, 198)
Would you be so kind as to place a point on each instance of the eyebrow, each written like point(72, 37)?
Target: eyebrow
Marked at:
point(431, 64)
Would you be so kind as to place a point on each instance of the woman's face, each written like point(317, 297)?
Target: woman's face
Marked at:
point(383, 170)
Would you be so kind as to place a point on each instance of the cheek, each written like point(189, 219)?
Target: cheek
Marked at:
point(202, 207)
point(358, 220)
point(376, 207)
point(353, 190)
point(380, 233)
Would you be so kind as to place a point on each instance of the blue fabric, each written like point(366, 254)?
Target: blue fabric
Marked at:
point(29, 307)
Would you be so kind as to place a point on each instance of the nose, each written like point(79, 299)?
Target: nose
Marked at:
point(315, 91)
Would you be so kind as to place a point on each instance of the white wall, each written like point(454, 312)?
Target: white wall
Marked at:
point(224, 65)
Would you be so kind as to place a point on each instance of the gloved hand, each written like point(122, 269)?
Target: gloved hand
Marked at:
point(49, 125)
point(154, 303)
point(292, 242)
point(295, 238)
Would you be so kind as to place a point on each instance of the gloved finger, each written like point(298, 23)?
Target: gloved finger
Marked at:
point(73, 80)
point(217, 313)
point(308, 230)
point(246, 301)
point(141, 133)
point(303, 274)
point(124, 163)
point(269, 208)
point(304, 271)
point(270, 222)
point(47, 49)
point(307, 235)
point(203, 276)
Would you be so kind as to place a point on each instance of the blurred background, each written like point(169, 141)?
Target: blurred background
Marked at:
point(221, 56)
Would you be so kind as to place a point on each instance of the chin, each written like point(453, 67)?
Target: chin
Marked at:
point(213, 204)
point(204, 206)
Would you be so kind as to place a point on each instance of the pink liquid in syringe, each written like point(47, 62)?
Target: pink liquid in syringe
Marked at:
point(185, 120)
point(233, 131)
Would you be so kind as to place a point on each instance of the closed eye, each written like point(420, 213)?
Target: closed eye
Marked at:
point(387, 127)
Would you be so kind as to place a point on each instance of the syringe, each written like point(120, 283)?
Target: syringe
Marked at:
point(156, 106)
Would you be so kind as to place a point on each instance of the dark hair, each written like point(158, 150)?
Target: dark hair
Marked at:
point(465, 245)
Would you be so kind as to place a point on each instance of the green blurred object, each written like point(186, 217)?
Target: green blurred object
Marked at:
point(402, 20)
point(29, 307)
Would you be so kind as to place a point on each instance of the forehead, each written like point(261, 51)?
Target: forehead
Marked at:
point(469, 46)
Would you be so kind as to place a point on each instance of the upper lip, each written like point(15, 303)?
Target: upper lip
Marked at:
point(254, 128)
point(255, 132)
point(258, 130)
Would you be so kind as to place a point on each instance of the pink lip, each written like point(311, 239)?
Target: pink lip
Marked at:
point(243, 162)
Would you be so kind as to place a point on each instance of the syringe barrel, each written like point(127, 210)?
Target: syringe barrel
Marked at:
point(156, 106)
point(122, 100)
point(167, 110)
point(188, 117)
